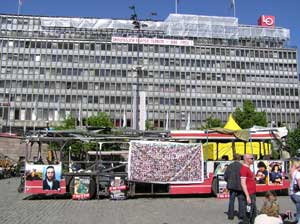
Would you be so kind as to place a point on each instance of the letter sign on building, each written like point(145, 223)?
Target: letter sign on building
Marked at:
point(266, 21)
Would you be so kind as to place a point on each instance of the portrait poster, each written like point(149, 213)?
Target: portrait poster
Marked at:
point(223, 192)
point(81, 188)
point(117, 189)
point(276, 172)
point(44, 179)
point(269, 172)
point(261, 172)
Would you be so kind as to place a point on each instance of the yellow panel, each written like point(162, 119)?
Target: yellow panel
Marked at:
point(225, 149)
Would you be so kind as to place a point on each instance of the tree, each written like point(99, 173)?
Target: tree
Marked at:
point(212, 122)
point(78, 148)
point(149, 125)
point(68, 123)
point(248, 117)
point(100, 120)
point(293, 140)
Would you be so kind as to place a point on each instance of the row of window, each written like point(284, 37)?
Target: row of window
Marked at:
point(73, 72)
point(18, 20)
point(167, 87)
point(176, 119)
point(221, 102)
point(167, 101)
point(106, 34)
point(81, 60)
point(280, 54)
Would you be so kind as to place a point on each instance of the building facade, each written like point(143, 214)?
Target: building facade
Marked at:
point(174, 73)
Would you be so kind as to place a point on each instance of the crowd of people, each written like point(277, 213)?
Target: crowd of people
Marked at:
point(161, 162)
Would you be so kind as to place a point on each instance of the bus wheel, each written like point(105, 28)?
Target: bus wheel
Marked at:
point(282, 192)
point(21, 188)
point(21, 185)
point(214, 186)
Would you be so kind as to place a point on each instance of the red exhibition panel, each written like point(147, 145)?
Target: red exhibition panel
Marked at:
point(272, 187)
point(36, 187)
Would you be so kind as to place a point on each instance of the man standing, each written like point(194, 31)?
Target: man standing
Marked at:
point(50, 183)
point(249, 189)
point(232, 177)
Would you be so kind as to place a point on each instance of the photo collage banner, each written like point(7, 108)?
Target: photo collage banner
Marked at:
point(165, 162)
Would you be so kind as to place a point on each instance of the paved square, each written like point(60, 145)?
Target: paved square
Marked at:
point(162, 210)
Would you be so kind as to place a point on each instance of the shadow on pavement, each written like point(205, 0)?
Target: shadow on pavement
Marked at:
point(47, 197)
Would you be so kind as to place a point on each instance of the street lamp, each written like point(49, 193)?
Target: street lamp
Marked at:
point(8, 104)
point(137, 25)
point(138, 121)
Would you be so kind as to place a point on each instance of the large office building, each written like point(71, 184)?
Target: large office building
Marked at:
point(174, 73)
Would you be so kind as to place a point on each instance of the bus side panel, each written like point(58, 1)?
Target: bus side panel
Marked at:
point(264, 188)
point(203, 188)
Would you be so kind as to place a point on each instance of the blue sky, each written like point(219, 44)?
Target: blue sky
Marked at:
point(285, 11)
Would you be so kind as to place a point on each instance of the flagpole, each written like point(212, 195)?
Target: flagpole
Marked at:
point(188, 124)
point(234, 8)
point(124, 119)
point(19, 6)
point(176, 6)
point(167, 121)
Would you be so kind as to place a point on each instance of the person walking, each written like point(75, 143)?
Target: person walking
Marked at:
point(232, 177)
point(249, 189)
point(295, 188)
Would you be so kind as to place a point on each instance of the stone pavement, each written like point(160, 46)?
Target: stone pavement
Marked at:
point(163, 210)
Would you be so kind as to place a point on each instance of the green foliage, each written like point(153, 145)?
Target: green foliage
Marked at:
point(212, 122)
point(54, 146)
point(293, 140)
point(100, 120)
point(90, 146)
point(248, 117)
point(149, 125)
point(275, 154)
point(110, 147)
point(78, 149)
point(68, 123)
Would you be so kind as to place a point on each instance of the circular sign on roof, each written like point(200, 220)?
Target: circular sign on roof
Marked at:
point(266, 21)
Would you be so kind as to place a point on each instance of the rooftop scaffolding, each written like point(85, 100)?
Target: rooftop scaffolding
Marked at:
point(177, 25)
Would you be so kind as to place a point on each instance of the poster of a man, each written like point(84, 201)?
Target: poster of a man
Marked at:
point(50, 182)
